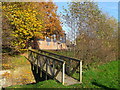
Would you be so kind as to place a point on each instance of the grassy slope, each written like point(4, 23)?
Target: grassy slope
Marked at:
point(13, 62)
point(20, 70)
point(104, 76)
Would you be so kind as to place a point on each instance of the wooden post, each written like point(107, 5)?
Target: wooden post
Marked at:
point(53, 69)
point(32, 59)
point(33, 67)
point(80, 74)
point(63, 73)
point(40, 63)
point(46, 68)
point(69, 66)
point(29, 54)
point(37, 63)
point(40, 72)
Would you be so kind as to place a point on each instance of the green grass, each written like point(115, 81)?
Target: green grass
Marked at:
point(19, 60)
point(44, 84)
point(104, 76)
point(14, 61)
point(64, 53)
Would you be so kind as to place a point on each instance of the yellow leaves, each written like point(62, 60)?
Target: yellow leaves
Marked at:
point(34, 11)
point(16, 35)
point(35, 25)
point(6, 65)
point(30, 19)
point(6, 75)
point(3, 7)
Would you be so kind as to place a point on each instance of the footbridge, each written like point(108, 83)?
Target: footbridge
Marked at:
point(61, 68)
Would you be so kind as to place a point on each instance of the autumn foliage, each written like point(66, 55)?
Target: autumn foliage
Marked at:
point(30, 20)
point(95, 32)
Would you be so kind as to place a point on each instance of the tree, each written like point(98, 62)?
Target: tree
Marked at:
point(31, 21)
point(96, 32)
point(51, 19)
point(25, 24)
point(7, 38)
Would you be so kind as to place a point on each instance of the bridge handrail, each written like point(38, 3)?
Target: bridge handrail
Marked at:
point(65, 57)
point(60, 55)
point(55, 59)
point(61, 59)
point(47, 56)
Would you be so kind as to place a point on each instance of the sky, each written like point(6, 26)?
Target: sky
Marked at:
point(111, 8)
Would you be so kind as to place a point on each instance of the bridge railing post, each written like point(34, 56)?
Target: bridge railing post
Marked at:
point(46, 68)
point(80, 74)
point(37, 63)
point(53, 74)
point(63, 73)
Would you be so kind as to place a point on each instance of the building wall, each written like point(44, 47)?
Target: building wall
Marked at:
point(51, 45)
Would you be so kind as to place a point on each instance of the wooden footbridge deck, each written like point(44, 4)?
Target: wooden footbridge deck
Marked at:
point(58, 67)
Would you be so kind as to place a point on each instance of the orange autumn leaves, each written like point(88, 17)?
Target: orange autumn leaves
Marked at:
point(32, 20)
point(51, 19)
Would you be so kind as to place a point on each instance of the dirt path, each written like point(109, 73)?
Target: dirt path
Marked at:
point(18, 76)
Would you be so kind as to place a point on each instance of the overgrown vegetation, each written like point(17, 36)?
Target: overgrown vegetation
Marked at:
point(93, 33)
point(104, 76)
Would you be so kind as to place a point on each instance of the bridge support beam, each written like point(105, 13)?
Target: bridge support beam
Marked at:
point(40, 72)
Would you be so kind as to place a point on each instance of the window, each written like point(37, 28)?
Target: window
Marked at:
point(48, 39)
point(48, 43)
point(40, 42)
point(54, 43)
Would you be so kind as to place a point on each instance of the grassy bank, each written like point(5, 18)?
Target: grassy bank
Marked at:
point(20, 70)
point(12, 62)
point(104, 76)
